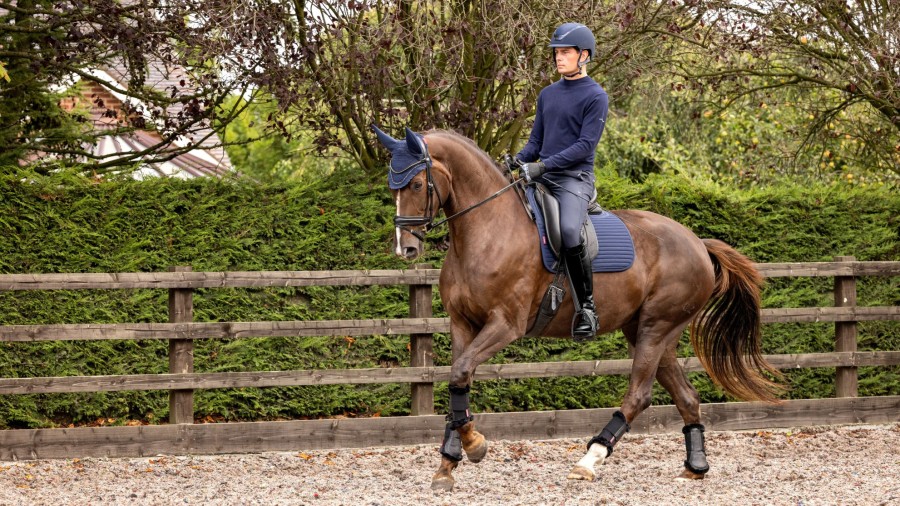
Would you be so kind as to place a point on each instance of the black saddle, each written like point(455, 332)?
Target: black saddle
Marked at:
point(548, 206)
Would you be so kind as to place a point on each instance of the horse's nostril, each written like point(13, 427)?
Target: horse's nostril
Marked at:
point(410, 252)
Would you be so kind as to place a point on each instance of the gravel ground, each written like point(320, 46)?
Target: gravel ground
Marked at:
point(848, 465)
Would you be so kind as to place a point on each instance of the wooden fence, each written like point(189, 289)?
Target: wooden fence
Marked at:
point(181, 435)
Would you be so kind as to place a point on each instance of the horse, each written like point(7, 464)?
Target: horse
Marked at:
point(492, 282)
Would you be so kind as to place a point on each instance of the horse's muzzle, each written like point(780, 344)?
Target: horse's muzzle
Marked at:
point(409, 252)
point(408, 244)
point(410, 236)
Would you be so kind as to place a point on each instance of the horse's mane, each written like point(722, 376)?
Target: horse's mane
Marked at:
point(470, 145)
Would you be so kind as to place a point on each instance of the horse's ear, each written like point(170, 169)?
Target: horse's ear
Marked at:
point(415, 143)
point(385, 139)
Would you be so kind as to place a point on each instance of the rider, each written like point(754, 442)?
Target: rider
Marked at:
point(569, 121)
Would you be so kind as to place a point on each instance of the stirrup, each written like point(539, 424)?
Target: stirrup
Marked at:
point(581, 317)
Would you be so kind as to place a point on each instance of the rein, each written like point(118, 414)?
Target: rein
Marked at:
point(496, 194)
point(427, 220)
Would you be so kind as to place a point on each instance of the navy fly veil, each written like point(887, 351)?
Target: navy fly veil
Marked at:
point(408, 157)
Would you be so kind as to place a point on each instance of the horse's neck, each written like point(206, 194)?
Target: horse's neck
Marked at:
point(500, 221)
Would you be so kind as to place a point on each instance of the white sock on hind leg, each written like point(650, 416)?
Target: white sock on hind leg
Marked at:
point(596, 453)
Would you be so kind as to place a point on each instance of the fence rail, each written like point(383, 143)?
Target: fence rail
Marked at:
point(233, 330)
point(362, 376)
point(416, 276)
point(181, 381)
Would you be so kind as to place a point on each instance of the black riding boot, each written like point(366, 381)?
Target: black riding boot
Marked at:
point(578, 266)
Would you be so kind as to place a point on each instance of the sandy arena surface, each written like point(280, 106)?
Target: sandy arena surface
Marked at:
point(846, 465)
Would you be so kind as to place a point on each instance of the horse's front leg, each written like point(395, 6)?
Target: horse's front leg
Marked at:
point(460, 434)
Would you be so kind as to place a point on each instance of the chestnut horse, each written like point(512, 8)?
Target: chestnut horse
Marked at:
point(492, 282)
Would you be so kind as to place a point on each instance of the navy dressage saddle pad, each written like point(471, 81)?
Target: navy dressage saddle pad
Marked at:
point(616, 248)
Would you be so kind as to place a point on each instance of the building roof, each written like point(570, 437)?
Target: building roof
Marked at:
point(106, 113)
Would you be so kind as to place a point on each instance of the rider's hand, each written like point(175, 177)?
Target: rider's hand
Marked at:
point(511, 163)
point(533, 170)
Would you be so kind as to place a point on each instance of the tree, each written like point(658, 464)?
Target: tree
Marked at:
point(471, 66)
point(843, 57)
point(48, 45)
point(334, 67)
point(265, 156)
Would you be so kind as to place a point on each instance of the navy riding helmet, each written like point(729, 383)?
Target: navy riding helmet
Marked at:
point(575, 35)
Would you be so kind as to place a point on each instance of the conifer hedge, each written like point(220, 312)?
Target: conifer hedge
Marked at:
point(66, 223)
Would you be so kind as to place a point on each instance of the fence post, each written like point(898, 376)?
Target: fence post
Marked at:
point(181, 351)
point(421, 346)
point(846, 380)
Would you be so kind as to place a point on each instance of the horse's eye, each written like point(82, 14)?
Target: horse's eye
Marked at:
point(417, 186)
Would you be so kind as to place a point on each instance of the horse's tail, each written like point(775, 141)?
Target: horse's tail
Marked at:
point(726, 334)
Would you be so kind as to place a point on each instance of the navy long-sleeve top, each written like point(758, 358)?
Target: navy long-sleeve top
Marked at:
point(569, 121)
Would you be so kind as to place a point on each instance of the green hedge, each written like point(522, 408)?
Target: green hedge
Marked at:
point(68, 224)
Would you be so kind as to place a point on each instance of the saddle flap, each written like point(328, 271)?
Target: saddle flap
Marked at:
point(617, 253)
point(548, 206)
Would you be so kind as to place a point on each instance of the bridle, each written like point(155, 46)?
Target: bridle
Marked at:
point(427, 220)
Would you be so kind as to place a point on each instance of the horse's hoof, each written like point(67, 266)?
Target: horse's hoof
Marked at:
point(687, 474)
point(442, 484)
point(581, 473)
point(478, 452)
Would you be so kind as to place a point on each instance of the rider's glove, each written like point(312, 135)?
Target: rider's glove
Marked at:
point(533, 170)
point(511, 163)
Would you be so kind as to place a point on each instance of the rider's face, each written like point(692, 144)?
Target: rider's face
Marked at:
point(566, 59)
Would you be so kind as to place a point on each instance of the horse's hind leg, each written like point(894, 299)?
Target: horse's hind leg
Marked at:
point(650, 343)
point(671, 376)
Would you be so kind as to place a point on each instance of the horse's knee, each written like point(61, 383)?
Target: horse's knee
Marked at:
point(460, 380)
point(460, 372)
